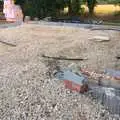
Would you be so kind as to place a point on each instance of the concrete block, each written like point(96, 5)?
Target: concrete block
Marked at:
point(101, 38)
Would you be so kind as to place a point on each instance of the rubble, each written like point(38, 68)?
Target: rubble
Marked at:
point(109, 97)
point(73, 81)
point(107, 78)
point(113, 73)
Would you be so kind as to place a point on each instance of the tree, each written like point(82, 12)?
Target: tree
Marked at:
point(73, 6)
point(109, 1)
point(41, 8)
point(91, 4)
point(116, 1)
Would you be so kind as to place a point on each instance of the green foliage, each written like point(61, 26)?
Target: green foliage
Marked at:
point(44, 8)
point(108, 1)
point(75, 7)
point(41, 8)
point(117, 13)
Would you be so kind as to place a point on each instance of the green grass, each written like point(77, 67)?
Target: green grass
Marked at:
point(112, 23)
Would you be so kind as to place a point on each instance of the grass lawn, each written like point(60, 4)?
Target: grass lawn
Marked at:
point(111, 23)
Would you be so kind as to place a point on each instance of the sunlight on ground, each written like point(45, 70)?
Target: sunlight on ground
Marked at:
point(104, 9)
point(101, 9)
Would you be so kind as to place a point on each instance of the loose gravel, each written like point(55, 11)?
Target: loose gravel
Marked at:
point(28, 91)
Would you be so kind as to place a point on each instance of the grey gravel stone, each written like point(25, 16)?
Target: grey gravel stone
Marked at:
point(27, 92)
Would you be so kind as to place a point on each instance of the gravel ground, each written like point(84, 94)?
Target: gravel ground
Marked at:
point(27, 89)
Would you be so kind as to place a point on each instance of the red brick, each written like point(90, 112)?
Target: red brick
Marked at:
point(76, 87)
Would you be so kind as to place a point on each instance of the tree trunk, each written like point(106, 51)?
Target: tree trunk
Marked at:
point(70, 8)
point(91, 4)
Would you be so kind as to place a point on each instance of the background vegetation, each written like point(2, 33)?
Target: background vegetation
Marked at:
point(44, 8)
